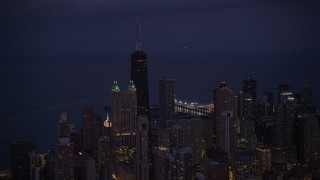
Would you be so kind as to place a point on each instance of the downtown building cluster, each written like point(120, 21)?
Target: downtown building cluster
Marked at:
point(263, 140)
point(245, 136)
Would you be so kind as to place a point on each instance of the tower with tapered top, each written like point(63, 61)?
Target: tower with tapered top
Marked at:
point(139, 75)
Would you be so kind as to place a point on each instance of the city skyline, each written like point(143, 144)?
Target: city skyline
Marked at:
point(75, 113)
point(57, 63)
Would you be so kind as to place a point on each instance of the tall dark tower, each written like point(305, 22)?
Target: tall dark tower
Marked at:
point(223, 99)
point(282, 88)
point(249, 86)
point(166, 101)
point(306, 93)
point(20, 159)
point(139, 75)
point(249, 98)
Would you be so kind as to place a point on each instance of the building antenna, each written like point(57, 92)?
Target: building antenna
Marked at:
point(138, 40)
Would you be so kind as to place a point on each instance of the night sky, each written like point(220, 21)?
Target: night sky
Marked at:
point(54, 51)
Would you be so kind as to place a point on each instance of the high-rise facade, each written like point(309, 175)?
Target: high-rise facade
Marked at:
point(179, 164)
point(267, 98)
point(285, 120)
point(124, 115)
point(139, 75)
point(88, 168)
point(249, 97)
point(67, 130)
point(267, 101)
point(64, 159)
point(230, 135)
point(142, 145)
point(282, 88)
point(166, 101)
point(309, 138)
point(64, 126)
point(160, 162)
point(249, 86)
point(306, 93)
point(223, 101)
point(87, 127)
point(20, 159)
point(91, 129)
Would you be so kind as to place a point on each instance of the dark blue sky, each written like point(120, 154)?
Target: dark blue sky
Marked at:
point(54, 50)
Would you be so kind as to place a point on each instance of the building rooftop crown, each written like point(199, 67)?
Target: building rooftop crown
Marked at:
point(132, 87)
point(115, 87)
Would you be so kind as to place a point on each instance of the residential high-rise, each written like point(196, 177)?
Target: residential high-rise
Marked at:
point(267, 101)
point(287, 98)
point(64, 159)
point(74, 139)
point(249, 86)
point(264, 159)
point(87, 126)
point(139, 75)
point(166, 101)
point(249, 97)
point(88, 168)
point(230, 135)
point(215, 170)
point(223, 101)
point(267, 98)
point(190, 132)
point(105, 148)
point(124, 115)
point(142, 145)
point(67, 130)
point(20, 159)
point(176, 136)
point(246, 161)
point(306, 93)
point(49, 167)
point(64, 126)
point(160, 159)
point(104, 155)
point(282, 88)
point(309, 140)
point(285, 119)
point(91, 128)
point(179, 164)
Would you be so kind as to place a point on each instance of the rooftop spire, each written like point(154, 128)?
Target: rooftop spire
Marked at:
point(138, 40)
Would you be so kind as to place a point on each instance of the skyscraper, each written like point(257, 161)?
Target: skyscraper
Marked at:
point(20, 159)
point(91, 128)
point(64, 127)
point(306, 93)
point(249, 86)
point(285, 120)
point(67, 130)
point(166, 101)
point(64, 159)
point(142, 152)
point(179, 164)
point(282, 88)
point(139, 75)
point(223, 101)
point(87, 126)
point(309, 141)
point(124, 115)
point(267, 98)
point(249, 97)
point(230, 135)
